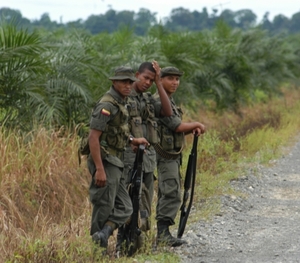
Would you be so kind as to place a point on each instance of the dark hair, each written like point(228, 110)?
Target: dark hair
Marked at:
point(146, 66)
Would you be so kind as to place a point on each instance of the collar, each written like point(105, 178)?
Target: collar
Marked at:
point(134, 93)
point(116, 95)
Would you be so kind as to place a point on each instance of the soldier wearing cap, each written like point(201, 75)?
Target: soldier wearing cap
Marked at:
point(172, 131)
point(142, 123)
point(108, 136)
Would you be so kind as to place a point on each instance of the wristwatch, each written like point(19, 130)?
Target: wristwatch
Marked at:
point(130, 139)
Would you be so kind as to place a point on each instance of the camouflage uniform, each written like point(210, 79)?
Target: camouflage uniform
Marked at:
point(168, 166)
point(142, 124)
point(112, 202)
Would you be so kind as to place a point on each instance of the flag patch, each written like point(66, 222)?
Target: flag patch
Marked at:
point(105, 112)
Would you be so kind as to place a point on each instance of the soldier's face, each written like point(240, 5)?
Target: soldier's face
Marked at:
point(146, 79)
point(123, 87)
point(170, 83)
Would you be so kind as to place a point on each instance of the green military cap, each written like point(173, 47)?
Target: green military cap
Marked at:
point(170, 71)
point(122, 73)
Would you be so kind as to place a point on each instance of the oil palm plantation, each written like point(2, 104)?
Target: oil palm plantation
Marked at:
point(40, 81)
point(55, 78)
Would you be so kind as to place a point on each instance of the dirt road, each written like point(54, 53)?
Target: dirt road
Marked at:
point(264, 227)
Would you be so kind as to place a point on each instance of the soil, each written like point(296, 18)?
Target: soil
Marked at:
point(263, 227)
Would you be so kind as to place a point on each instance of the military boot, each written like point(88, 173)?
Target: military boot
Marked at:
point(164, 236)
point(101, 237)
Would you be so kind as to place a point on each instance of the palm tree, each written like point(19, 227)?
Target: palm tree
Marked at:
point(42, 82)
point(22, 72)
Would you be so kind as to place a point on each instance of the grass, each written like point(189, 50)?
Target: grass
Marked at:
point(44, 206)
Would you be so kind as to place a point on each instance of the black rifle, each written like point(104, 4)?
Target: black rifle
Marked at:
point(132, 230)
point(189, 183)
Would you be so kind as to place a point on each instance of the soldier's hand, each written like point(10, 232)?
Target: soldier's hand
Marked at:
point(197, 131)
point(202, 128)
point(156, 67)
point(138, 141)
point(134, 148)
point(100, 178)
point(157, 70)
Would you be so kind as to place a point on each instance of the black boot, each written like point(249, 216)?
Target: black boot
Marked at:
point(164, 236)
point(101, 237)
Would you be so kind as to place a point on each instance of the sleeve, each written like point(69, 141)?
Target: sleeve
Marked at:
point(171, 122)
point(157, 107)
point(101, 115)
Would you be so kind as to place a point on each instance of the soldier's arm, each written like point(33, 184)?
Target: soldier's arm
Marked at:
point(175, 124)
point(100, 117)
point(191, 127)
point(100, 175)
point(166, 109)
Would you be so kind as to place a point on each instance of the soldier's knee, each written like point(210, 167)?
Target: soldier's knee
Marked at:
point(128, 211)
point(171, 188)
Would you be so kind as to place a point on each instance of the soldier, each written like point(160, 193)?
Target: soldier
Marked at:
point(108, 136)
point(172, 131)
point(142, 123)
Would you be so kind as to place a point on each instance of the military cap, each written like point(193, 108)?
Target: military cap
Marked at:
point(122, 73)
point(170, 71)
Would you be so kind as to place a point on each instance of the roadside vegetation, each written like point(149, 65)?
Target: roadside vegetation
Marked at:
point(242, 85)
point(45, 211)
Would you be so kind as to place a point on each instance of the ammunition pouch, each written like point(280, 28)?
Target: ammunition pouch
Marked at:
point(132, 108)
point(152, 131)
point(148, 112)
point(136, 127)
point(115, 137)
point(167, 139)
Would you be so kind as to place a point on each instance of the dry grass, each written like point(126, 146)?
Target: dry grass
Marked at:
point(44, 206)
point(43, 190)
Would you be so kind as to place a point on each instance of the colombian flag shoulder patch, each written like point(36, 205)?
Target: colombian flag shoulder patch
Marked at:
point(105, 112)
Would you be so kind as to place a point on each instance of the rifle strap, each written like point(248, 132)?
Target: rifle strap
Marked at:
point(167, 155)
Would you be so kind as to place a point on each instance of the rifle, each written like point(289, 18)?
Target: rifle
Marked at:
point(189, 182)
point(132, 230)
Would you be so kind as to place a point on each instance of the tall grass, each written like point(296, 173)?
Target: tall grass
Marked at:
point(44, 206)
point(43, 192)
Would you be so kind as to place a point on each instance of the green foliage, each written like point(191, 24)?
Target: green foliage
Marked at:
point(21, 73)
point(260, 96)
point(56, 78)
point(42, 81)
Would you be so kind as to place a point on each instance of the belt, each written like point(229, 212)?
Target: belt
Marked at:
point(165, 154)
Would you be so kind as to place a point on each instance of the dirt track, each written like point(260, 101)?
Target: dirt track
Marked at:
point(264, 227)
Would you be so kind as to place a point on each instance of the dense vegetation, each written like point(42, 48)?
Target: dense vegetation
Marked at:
point(242, 84)
point(180, 19)
point(55, 78)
